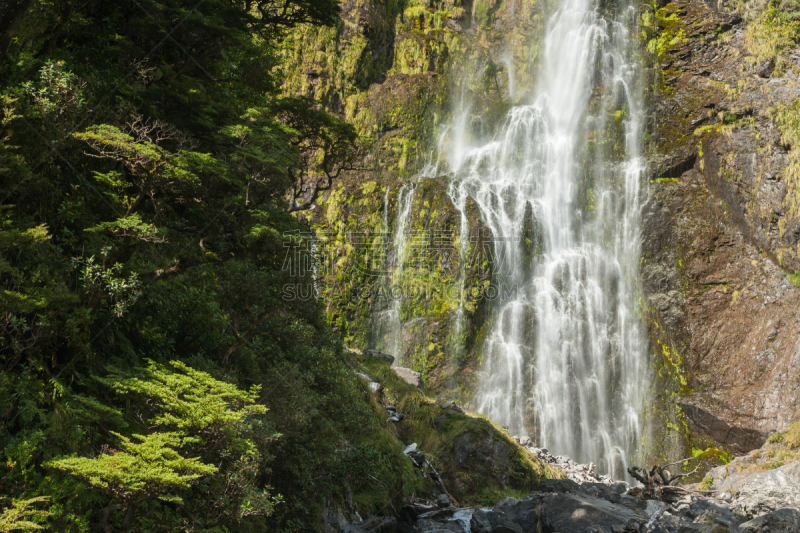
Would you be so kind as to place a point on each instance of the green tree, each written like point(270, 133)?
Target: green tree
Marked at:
point(148, 168)
point(190, 413)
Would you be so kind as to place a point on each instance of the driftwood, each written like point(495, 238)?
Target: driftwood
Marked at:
point(659, 475)
point(659, 483)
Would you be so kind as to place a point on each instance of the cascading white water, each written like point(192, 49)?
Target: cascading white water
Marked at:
point(566, 358)
point(386, 324)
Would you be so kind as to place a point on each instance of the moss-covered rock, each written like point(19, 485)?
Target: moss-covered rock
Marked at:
point(479, 462)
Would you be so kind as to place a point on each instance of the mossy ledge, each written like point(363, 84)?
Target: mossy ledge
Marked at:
point(479, 462)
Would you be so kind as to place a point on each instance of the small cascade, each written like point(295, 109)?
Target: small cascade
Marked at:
point(386, 324)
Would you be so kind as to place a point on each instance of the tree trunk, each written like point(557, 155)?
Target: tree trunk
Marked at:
point(106, 514)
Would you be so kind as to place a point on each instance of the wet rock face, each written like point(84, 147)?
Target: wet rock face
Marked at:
point(736, 438)
point(718, 235)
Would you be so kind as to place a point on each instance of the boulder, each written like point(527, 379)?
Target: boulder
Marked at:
point(417, 457)
point(373, 385)
point(409, 376)
point(485, 521)
point(337, 517)
point(395, 417)
point(710, 514)
point(484, 455)
point(380, 355)
point(780, 521)
point(759, 492)
point(364, 376)
point(522, 517)
point(577, 512)
point(452, 407)
point(508, 516)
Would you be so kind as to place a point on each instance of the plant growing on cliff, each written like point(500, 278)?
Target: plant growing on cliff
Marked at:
point(669, 33)
point(770, 36)
point(787, 118)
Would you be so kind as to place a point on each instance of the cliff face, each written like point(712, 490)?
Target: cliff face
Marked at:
point(721, 226)
point(721, 229)
point(398, 70)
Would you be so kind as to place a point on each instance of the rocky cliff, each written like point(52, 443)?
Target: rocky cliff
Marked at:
point(721, 228)
point(396, 69)
point(721, 225)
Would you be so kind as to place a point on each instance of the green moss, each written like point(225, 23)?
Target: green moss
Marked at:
point(668, 33)
point(436, 430)
point(483, 13)
point(789, 438)
point(781, 448)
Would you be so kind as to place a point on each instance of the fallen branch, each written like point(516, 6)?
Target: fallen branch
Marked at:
point(441, 483)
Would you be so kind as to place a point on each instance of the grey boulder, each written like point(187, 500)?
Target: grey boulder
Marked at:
point(780, 521)
point(409, 376)
point(576, 513)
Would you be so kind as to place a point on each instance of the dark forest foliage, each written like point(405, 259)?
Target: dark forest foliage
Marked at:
point(152, 377)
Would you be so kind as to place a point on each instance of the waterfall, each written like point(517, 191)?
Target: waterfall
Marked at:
point(387, 325)
point(558, 185)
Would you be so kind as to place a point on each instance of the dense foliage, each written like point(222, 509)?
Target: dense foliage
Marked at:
point(153, 378)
